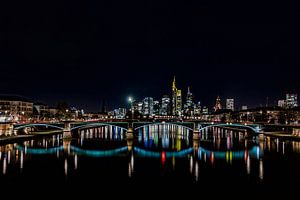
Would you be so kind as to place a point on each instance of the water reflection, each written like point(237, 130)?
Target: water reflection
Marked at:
point(153, 149)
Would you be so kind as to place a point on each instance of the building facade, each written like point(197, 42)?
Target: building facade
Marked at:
point(291, 100)
point(281, 103)
point(165, 106)
point(230, 104)
point(218, 105)
point(147, 106)
point(189, 104)
point(176, 100)
point(16, 106)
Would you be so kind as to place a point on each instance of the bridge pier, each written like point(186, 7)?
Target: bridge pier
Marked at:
point(6, 128)
point(196, 132)
point(67, 130)
point(129, 133)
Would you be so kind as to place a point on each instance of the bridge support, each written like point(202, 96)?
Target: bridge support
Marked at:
point(67, 130)
point(6, 129)
point(129, 133)
point(196, 132)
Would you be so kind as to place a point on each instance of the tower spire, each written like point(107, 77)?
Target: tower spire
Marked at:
point(174, 83)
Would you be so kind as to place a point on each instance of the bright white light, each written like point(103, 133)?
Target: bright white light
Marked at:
point(130, 99)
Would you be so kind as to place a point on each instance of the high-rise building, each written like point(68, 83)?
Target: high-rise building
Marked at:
point(176, 99)
point(179, 103)
point(156, 107)
point(218, 105)
point(197, 109)
point(165, 105)
point(138, 106)
point(120, 113)
point(148, 106)
point(189, 104)
point(205, 110)
point(291, 100)
point(281, 103)
point(230, 104)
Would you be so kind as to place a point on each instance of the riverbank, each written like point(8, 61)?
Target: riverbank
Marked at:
point(18, 138)
point(282, 135)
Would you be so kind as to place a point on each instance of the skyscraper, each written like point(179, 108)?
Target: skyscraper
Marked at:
point(230, 104)
point(189, 104)
point(205, 110)
point(291, 100)
point(218, 105)
point(165, 105)
point(156, 107)
point(138, 107)
point(197, 109)
point(178, 103)
point(176, 99)
point(148, 106)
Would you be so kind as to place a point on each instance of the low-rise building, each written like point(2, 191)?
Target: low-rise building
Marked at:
point(17, 106)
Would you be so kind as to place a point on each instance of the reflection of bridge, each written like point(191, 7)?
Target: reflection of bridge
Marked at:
point(254, 152)
point(68, 126)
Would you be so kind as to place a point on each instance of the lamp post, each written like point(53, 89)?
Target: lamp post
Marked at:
point(130, 100)
point(129, 134)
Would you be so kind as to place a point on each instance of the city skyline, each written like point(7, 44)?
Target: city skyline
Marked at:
point(104, 104)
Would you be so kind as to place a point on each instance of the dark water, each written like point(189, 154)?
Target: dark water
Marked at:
point(159, 157)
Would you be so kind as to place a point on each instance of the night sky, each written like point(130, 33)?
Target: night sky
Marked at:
point(86, 51)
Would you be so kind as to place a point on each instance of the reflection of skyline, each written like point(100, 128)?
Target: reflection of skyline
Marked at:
point(168, 144)
point(164, 136)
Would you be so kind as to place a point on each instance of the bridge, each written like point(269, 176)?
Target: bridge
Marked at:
point(69, 127)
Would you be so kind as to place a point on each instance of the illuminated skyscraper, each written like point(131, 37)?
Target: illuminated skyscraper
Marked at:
point(189, 104)
point(179, 103)
point(218, 105)
point(205, 110)
point(138, 106)
point(197, 109)
point(148, 106)
point(291, 100)
point(156, 107)
point(165, 106)
point(176, 100)
point(174, 95)
point(230, 104)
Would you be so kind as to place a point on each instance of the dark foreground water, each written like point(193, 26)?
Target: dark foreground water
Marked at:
point(161, 157)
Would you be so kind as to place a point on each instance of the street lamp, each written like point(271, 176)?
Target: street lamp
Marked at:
point(130, 100)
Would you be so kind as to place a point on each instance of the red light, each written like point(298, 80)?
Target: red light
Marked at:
point(163, 157)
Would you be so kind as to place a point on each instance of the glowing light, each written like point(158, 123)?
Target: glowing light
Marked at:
point(163, 157)
point(66, 167)
point(4, 166)
point(75, 161)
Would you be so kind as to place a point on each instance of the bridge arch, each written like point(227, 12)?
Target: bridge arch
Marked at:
point(92, 125)
point(35, 125)
point(201, 127)
point(164, 123)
